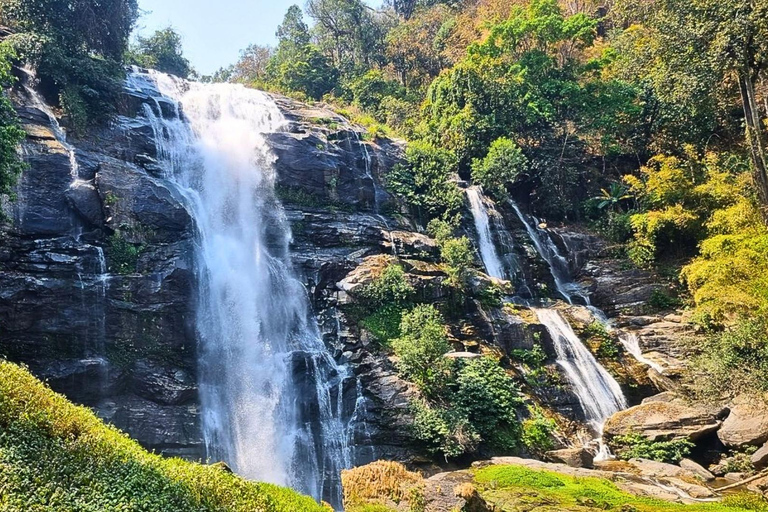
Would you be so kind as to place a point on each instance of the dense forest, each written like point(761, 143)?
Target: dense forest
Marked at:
point(645, 122)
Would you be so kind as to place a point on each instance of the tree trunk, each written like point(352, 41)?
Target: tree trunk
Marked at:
point(755, 135)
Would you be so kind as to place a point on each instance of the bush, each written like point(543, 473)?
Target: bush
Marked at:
point(502, 165)
point(58, 457)
point(421, 346)
point(161, 51)
point(637, 446)
point(384, 323)
point(424, 182)
point(735, 360)
point(443, 431)
point(378, 483)
point(537, 432)
point(389, 288)
point(123, 255)
point(11, 133)
point(488, 397)
point(457, 257)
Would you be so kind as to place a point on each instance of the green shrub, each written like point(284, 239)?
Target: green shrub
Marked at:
point(11, 133)
point(502, 165)
point(637, 446)
point(602, 342)
point(424, 181)
point(661, 300)
point(533, 357)
point(734, 360)
point(384, 323)
point(537, 432)
point(421, 346)
point(58, 457)
point(443, 431)
point(457, 257)
point(390, 287)
point(488, 397)
point(123, 256)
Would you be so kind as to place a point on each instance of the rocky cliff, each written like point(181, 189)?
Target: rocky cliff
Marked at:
point(97, 284)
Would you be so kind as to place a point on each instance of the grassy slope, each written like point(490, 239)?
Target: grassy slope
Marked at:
point(515, 488)
point(55, 457)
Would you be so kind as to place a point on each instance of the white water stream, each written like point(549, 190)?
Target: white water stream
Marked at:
point(599, 394)
point(271, 395)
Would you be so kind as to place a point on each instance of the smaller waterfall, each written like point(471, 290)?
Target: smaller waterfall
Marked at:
point(631, 343)
point(488, 253)
point(558, 264)
point(598, 392)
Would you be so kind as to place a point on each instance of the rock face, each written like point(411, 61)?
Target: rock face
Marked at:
point(747, 423)
point(662, 421)
point(96, 280)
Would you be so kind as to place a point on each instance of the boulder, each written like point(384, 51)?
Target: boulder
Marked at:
point(662, 421)
point(747, 423)
point(696, 469)
point(573, 457)
point(760, 457)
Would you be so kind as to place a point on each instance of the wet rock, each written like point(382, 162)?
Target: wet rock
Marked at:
point(142, 208)
point(85, 200)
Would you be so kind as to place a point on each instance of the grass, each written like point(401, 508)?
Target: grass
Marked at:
point(512, 488)
point(379, 487)
point(57, 457)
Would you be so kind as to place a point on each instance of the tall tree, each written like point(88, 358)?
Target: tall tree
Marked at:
point(162, 51)
point(695, 50)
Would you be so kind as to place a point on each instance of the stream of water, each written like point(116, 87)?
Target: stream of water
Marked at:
point(272, 397)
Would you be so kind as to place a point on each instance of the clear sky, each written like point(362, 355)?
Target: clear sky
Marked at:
point(214, 31)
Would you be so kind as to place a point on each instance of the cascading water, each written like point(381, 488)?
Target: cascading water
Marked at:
point(599, 394)
point(631, 343)
point(558, 264)
point(488, 253)
point(272, 397)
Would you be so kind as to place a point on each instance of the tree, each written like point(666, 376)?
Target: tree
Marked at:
point(11, 133)
point(349, 32)
point(76, 48)
point(502, 165)
point(297, 65)
point(421, 346)
point(695, 51)
point(162, 51)
point(414, 47)
point(251, 67)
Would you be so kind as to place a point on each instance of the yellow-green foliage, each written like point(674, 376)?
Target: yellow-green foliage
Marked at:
point(373, 487)
point(513, 485)
point(730, 277)
point(679, 196)
point(57, 457)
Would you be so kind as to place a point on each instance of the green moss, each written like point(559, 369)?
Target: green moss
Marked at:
point(509, 486)
point(56, 457)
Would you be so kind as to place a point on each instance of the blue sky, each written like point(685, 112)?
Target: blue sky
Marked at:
point(214, 31)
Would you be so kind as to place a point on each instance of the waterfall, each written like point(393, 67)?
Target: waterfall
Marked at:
point(558, 264)
point(273, 400)
point(631, 343)
point(598, 392)
point(488, 253)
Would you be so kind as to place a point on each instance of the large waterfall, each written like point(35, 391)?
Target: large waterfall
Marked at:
point(599, 394)
point(271, 395)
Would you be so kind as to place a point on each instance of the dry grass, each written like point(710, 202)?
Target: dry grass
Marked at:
point(381, 482)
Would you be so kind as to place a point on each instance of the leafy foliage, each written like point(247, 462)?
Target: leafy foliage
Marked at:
point(55, 456)
point(161, 51)
point(421, 346)
point(11, 133)
point(638, 446)
point(423, 182)
point(77, 50)
point(502, 165)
